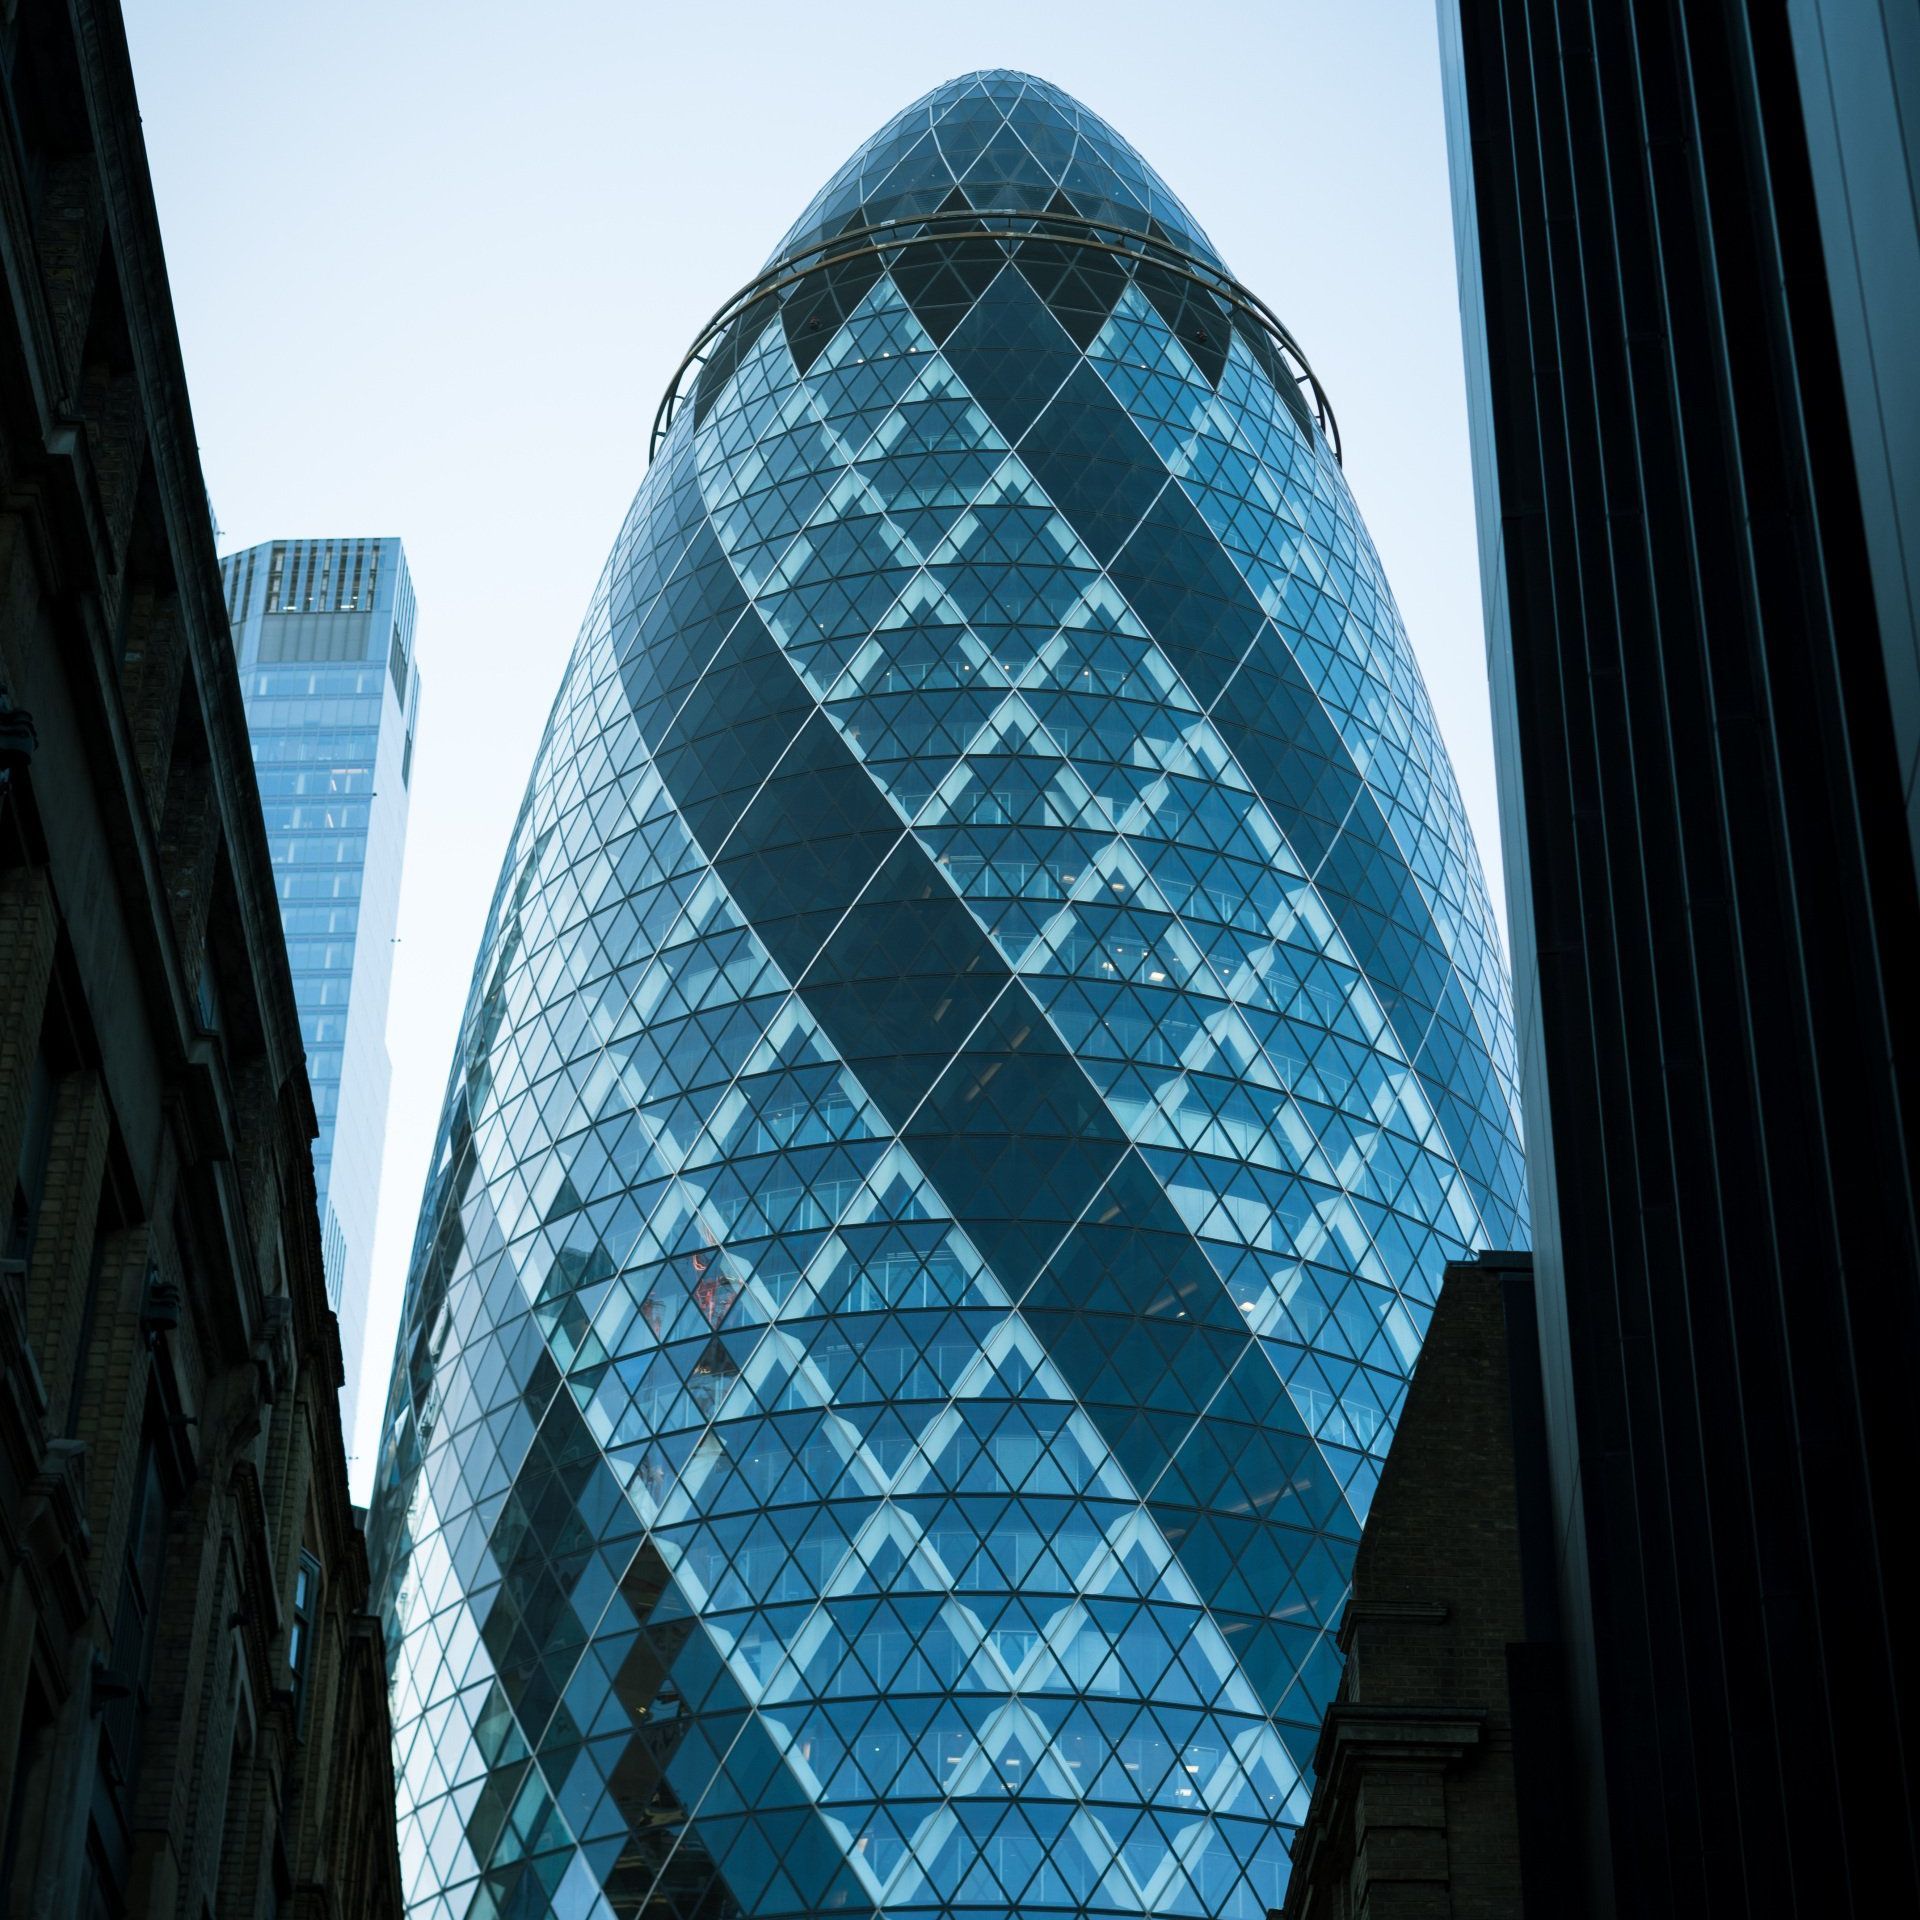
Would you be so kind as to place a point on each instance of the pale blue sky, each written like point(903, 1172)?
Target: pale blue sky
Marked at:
point(433, 265)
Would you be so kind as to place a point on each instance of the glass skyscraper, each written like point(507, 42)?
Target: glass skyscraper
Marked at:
point(988, 1030)
point(324, 634)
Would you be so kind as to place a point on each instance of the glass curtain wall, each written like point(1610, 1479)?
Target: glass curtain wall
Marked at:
point(324, 634)
point(989, 1029)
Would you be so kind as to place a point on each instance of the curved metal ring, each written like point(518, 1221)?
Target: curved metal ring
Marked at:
point(883, 239)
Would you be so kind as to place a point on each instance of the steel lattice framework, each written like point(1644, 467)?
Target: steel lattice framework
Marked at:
point(1052, 237)
point(988, 1032)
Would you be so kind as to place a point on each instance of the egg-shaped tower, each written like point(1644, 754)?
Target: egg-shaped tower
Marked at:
point(988, 1030)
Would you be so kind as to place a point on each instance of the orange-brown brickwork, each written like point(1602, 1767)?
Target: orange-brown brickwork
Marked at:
point(193, 1715)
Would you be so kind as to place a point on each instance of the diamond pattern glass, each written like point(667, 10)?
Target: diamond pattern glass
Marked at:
point(988, 1031)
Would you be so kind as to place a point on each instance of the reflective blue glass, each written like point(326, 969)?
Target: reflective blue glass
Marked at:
point(323, 631)
point(988, 1031)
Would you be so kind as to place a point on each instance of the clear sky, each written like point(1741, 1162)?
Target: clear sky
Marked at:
point(434, 264)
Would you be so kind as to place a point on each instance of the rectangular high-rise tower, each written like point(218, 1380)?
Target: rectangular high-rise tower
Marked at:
point(323, 630)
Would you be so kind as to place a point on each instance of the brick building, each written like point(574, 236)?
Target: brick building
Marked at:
point(1438, 1763)
point(192, 1698)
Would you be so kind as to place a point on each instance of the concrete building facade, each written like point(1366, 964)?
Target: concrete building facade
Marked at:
point(192, 1699)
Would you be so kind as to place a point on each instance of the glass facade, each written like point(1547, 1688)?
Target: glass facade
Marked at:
point(324, 634)
point(988, 1030)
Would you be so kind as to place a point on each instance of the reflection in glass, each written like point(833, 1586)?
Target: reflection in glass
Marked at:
point(988, 1031)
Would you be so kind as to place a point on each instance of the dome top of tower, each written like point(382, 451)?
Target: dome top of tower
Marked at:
point(1006, 142)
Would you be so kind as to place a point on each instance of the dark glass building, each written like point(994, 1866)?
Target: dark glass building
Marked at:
point(988, 1032)
point(1690, 280)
